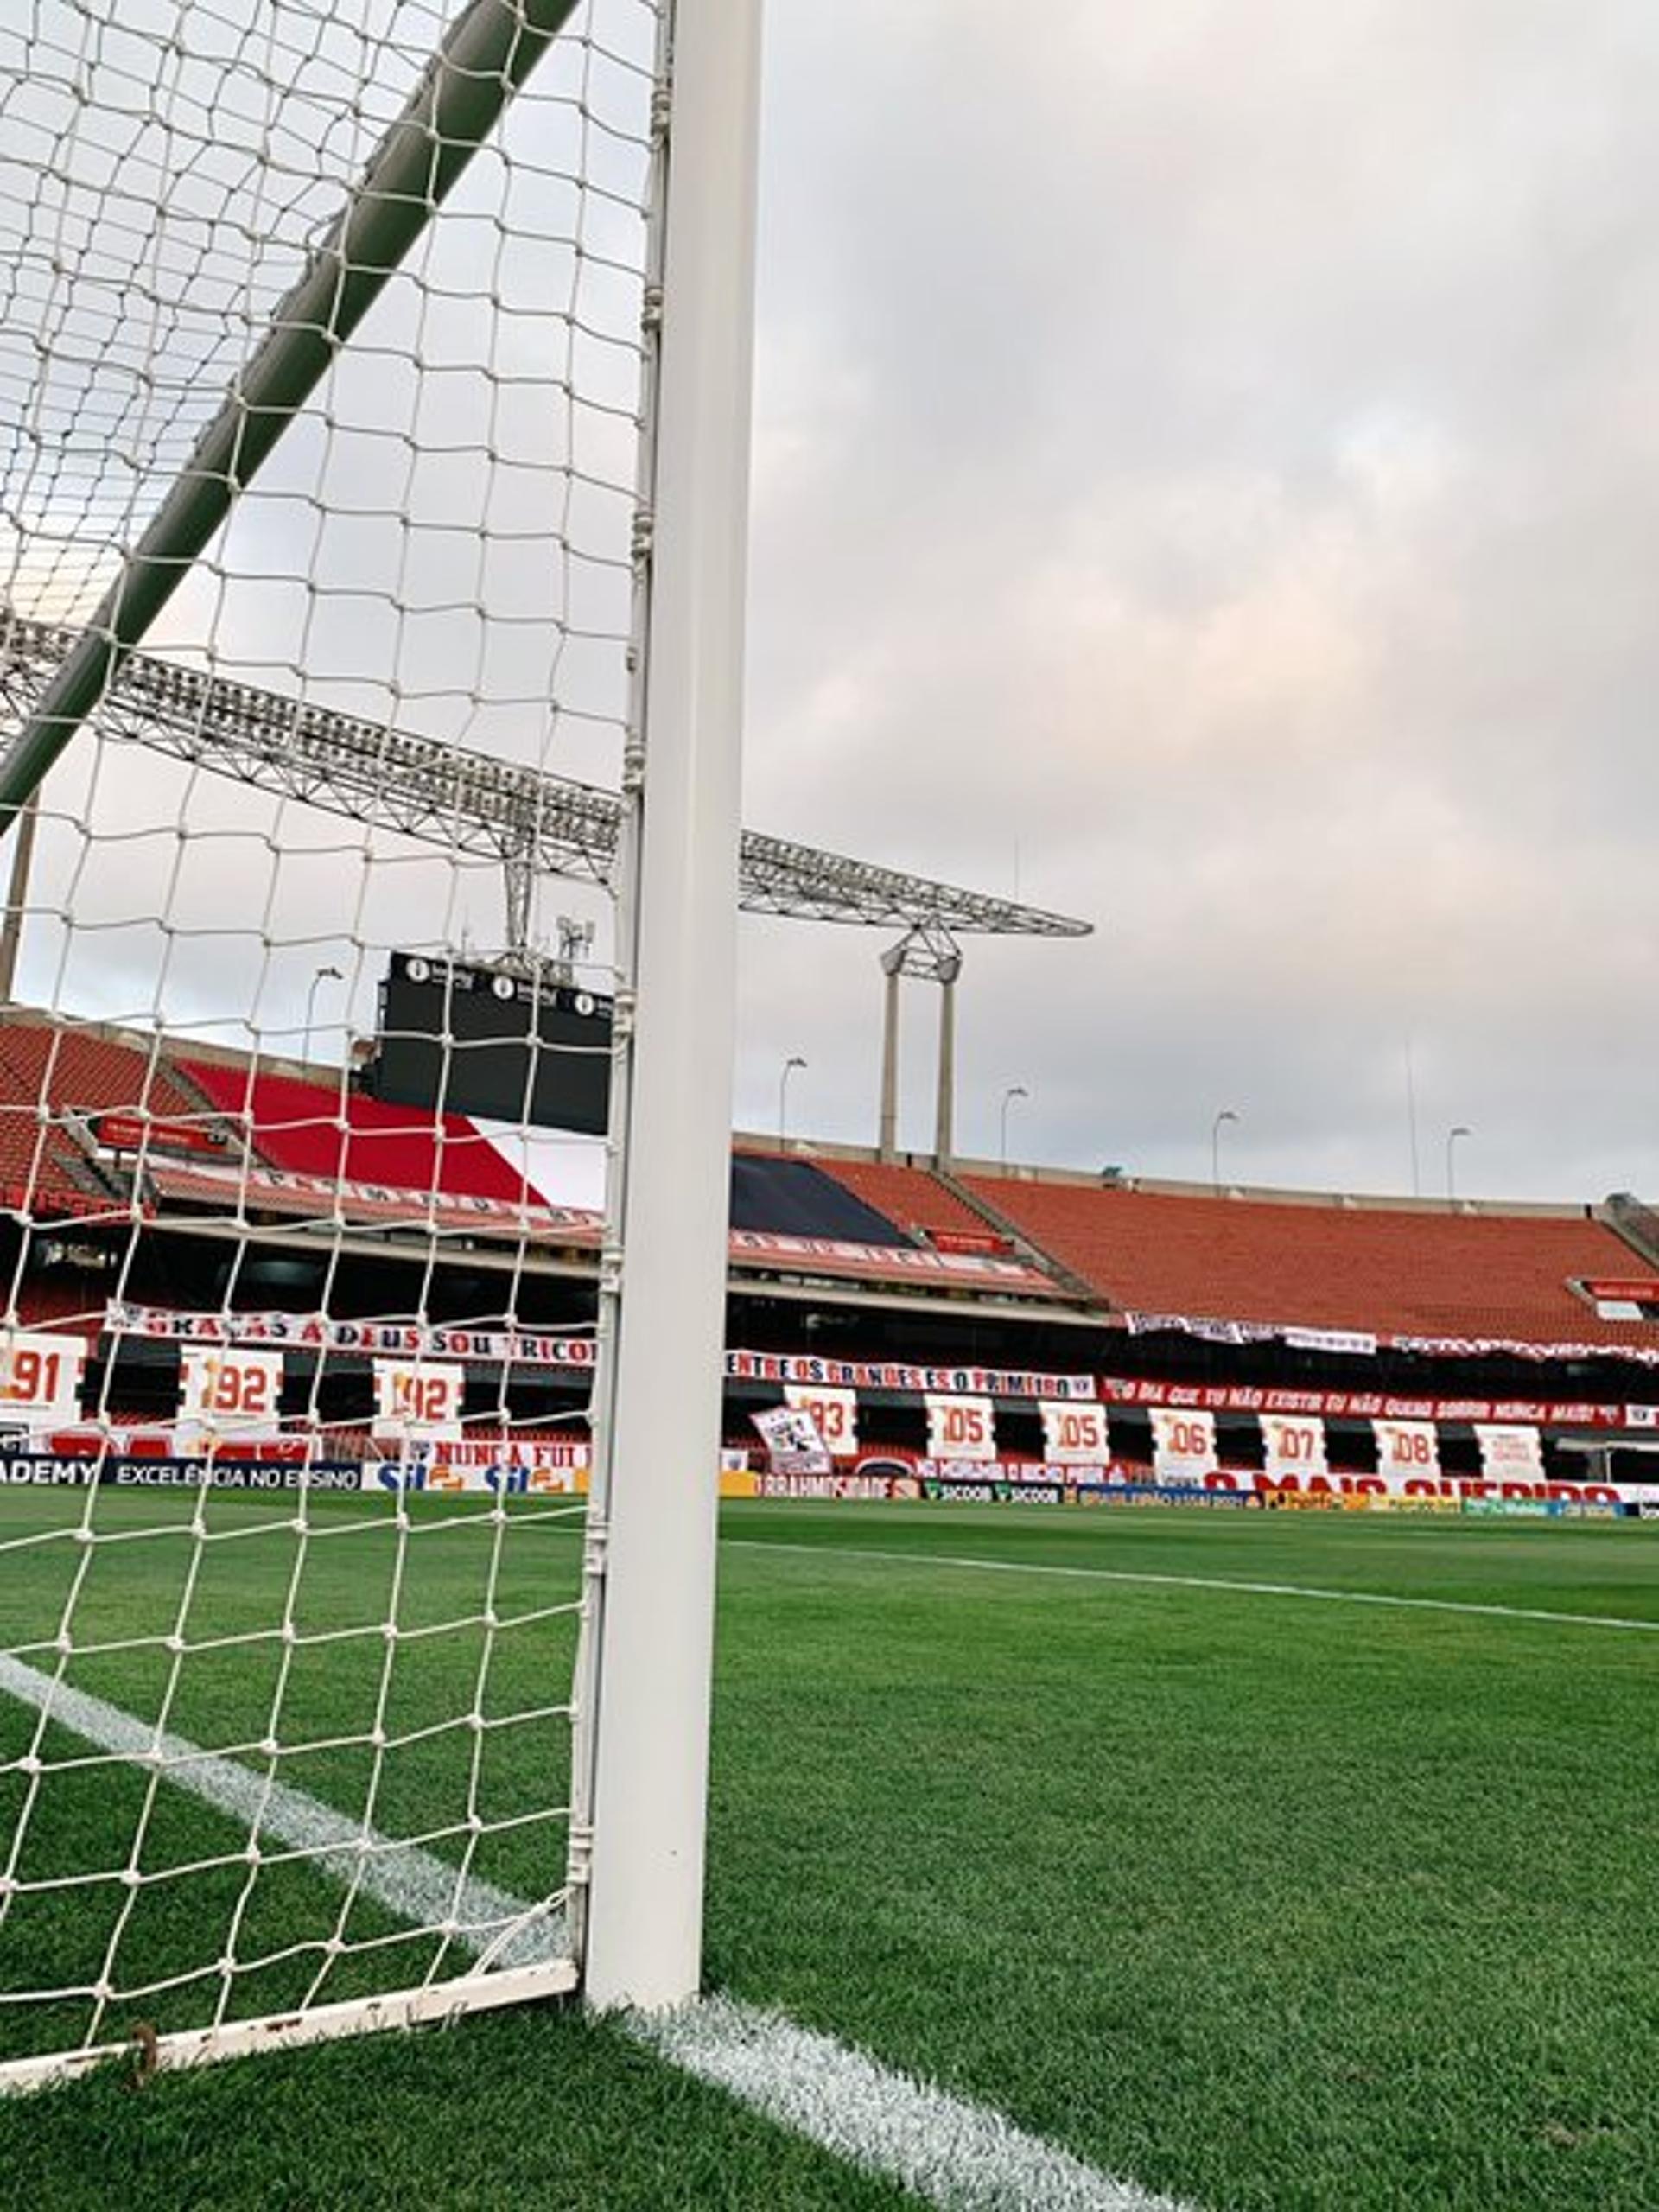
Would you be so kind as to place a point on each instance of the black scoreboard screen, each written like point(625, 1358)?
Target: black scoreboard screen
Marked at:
point(492, 1044)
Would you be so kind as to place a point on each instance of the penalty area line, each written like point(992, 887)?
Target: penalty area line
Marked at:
point(1146, 1575)
point(948, 2152)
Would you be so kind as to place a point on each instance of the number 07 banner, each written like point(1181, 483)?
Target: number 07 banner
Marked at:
point(1293, 1444)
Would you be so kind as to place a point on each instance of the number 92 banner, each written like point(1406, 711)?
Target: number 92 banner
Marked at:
point(230, 1392)
point(418, 1398)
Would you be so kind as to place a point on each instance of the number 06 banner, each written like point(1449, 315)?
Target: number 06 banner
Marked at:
point(1183, 1444)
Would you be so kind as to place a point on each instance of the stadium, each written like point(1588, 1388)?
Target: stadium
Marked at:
point(553, 1651)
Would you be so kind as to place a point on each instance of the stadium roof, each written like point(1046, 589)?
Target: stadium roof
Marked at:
point(521, 816)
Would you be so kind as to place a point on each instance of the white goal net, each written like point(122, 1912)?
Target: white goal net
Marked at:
point(331, 369)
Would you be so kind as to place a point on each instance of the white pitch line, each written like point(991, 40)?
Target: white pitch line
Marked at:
point(411, 1883)
point(961, 2156)
point(896, 1558)
point(958, 2156)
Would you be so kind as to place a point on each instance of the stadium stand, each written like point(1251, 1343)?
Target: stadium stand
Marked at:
point(51, 1070)
point(912, 1199)
point(1402, 1271)
point(308, 1129)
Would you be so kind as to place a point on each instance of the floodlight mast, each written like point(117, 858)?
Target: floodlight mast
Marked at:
point(532, 823)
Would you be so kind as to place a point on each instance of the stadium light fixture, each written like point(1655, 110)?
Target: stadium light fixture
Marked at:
point(789, 1067)
point(1451, 1136)
point(1225, 1114)
point(1014, 1090)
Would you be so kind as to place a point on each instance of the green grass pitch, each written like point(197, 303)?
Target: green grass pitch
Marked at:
point(1269, 1901)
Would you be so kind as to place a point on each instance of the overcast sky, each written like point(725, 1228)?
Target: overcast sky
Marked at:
point(1207, 478)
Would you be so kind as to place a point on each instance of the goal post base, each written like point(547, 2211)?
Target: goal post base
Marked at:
point(442, 2002)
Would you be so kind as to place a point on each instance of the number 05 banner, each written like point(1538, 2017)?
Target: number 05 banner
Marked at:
point(1075, 1436)
point(960, 1428)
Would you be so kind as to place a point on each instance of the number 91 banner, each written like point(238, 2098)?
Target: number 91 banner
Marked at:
point(40, 1375)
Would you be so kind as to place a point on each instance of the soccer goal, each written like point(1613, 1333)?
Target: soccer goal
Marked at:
point(373, 434)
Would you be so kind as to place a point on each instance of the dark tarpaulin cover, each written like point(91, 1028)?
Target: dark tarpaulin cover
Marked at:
point(791, 1198)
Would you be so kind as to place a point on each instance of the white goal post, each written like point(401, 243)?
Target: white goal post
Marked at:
point(374, 405)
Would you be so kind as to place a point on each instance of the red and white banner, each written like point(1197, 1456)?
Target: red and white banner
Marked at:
point(960, 1428)
point(1075, 1436)
point(1293, 1444)
point(1510, 1454)
point(1407, 1448)
point(835, 1415)
point(324, 1198)
point(793, 1443)
point(418, 1398)
point(320, 1332)
point(756, 1248)
point(224, 1391)
point(784, 1367)
point(1362, 1343)
point(1374, 1404)
point(40, 1375)
point(1183, 1446)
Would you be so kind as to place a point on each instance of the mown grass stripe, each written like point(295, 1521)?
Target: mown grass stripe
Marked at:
point(895, 1554)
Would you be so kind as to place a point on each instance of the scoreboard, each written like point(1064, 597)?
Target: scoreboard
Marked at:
point(493, 1045)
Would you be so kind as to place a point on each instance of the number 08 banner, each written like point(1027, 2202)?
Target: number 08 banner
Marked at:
point(1407, 1448)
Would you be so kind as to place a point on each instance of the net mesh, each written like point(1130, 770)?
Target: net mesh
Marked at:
point(301, 1086)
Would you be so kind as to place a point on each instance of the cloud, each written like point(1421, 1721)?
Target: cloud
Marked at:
point(1207, 447)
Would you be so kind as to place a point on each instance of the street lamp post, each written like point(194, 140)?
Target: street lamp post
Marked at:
point(322, 975)
point(1014, 1090)
point(1451, 1136)
point(790, 1065)
point(1225, 1114)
